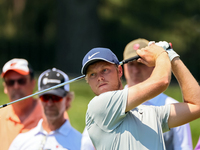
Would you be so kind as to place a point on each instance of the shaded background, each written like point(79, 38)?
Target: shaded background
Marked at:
point(59, 33)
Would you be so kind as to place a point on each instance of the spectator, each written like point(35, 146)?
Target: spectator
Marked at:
point(178, 138)
point(115, 120)
point(22, 116)
point(53, 131)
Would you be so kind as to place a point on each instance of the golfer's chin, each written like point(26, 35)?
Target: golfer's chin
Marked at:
point(103, 89)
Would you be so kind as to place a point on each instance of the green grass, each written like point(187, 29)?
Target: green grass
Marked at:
point(83, 95)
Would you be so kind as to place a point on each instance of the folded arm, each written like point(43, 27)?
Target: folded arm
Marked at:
point(189, 110)
point(157, 82)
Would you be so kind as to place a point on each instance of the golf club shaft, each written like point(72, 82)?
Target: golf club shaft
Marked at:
point(62, 84)
point(129, 59)
point(43, 91)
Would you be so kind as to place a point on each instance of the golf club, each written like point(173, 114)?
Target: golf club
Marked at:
point(62, 84)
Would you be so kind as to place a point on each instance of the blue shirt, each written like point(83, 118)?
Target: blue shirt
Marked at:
point(64, 138)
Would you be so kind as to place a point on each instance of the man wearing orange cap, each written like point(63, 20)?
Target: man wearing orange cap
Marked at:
point(19, 117)
point(178, 138)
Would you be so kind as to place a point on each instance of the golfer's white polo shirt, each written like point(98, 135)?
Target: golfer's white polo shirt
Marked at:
point(64, 138)
point(111, 128)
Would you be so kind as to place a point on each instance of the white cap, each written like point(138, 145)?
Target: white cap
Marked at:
point(19, 65)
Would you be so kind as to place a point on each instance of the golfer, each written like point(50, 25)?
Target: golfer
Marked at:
point(114, 119)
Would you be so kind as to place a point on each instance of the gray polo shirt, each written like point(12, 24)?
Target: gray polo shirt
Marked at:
point(110, 128)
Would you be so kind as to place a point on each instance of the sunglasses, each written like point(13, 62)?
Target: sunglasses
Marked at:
point(21, 81)
point(54, 98)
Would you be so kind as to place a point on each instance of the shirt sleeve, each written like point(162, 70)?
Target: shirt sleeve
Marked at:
point(108, 109)
point(163, 115)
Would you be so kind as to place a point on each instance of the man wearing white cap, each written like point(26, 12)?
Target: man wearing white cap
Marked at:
point(178, 138)
point(53, 131)
point(19, 117)
point(114, 119)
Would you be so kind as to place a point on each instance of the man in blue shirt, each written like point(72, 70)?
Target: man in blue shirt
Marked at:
point(53, 131)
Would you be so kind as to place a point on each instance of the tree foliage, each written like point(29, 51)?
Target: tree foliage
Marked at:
point(59, 33)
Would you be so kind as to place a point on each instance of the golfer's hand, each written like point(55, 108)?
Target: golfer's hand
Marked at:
point(166, 46)
point(150, 54)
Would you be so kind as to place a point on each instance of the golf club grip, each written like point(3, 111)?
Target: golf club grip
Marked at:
point(130, 59)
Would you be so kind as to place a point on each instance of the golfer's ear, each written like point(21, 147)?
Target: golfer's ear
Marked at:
point(120, 70)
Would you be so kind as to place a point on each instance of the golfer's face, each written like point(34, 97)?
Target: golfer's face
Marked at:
point(136, 72)
point(103, 77)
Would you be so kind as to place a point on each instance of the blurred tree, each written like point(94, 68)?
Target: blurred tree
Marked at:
point(59, 33)
point(28, 31)
point(174, 21)
point(78, 31)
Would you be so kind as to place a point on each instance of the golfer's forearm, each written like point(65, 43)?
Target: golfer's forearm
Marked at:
point(182, 113)
point(156, 84)
point(160, 77)
point(162, 72)
point(188, 84)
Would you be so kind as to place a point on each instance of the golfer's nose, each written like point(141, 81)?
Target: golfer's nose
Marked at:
point(100, 77)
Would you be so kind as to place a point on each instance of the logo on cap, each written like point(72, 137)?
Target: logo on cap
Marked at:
point(46, 81)
point(89, 57)
point(136, 46)
point(13, 64)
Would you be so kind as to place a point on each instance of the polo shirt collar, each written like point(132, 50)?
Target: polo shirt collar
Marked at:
point(64, 129)
point(11, 114)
